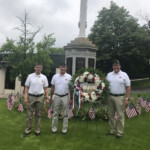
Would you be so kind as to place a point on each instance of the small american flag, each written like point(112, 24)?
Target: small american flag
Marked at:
point(139, 99)
point(143, 102)
point(147, 108)
point(116, 116)
point(50, 110)
point(138, 108)
point(20, 106)
point(91, 113)
point(10, 102)
point(70, 113)
point(130, 111)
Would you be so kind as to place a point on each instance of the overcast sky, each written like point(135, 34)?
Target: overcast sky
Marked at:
point(60, 17)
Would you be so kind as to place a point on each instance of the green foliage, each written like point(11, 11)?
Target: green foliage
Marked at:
point(47, 43)
point(119, 36)
point(22, 59)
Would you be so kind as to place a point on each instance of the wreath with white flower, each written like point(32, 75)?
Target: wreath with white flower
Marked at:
point(90, 85)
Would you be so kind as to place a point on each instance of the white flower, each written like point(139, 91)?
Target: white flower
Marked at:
point(75, 82)
point(97, 81)
point(100, 91)
point(93, 96)
point(86, 96)
point(103, 85)
point(85, 73)
point(81, 79)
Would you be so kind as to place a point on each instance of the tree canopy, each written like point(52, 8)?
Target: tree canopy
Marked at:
point(22, 55)
point(118, 35)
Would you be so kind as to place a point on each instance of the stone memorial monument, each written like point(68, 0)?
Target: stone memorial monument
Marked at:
point(81, 52)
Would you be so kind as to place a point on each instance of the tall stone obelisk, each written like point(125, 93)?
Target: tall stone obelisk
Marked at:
point(83, 18)
point(80, 52)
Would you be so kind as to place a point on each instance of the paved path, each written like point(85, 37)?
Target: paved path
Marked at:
point(141, 90)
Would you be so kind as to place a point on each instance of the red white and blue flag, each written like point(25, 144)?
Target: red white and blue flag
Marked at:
point(50, 110)
point(20, 106)
point(138, 109)
point(70, 113)
point(130, 111)
point(143, 101)
point(91, 113)
point(116, 116)
point(10, 102)
point(147, 107)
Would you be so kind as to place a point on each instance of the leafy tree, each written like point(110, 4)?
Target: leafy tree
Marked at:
point(119, 36)
point(47, 43)
point(22, 55)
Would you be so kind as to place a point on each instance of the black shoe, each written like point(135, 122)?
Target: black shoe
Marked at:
point(37, 134)
point(119, 136)
point(26, 134)
point(110, 134)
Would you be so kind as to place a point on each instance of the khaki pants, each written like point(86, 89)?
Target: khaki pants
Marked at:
point(60, 101)
point(34, 104)
point(116, 104)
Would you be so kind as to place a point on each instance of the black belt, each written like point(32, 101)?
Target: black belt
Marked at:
point(116, 94)
point(61, 95)
point(35, 95)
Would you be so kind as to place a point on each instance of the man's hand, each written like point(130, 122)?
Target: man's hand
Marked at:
point(70, 101)
point(26, 100)
point(47, 101)
point(126, 102)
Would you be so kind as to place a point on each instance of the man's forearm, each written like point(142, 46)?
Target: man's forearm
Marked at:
point(46, 92)
point(26, 93)
point(128, 92)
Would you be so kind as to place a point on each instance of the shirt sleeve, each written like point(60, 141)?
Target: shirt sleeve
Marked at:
point(27, 83)
point(107, 76)
point(127, 80)
point(46, 82)
point(70, 80)
point(53, 80)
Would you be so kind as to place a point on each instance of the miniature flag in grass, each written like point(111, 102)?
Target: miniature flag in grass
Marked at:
point(20, 106)
point(130, 111)
point(10, 102)
point(70, 113)
point(91, 113)
point(116, 116)
point(50, 110)
point(143, 101)
point(147, 108)
point(138, 108)
point(139, 99)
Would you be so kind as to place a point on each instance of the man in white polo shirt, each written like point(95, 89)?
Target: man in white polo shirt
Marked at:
point(60, 87)
point(35, 86)
point(119, 86)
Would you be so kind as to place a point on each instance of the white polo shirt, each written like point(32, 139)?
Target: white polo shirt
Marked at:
point(36, 83)
point(118, 82)
point(61, 83)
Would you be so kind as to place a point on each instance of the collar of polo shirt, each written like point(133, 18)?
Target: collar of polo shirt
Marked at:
point(38, 75)
point(117, 72)
point(62, 75)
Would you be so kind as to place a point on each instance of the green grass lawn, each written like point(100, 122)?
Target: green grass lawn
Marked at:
point(82, 135)
point(141, 84)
